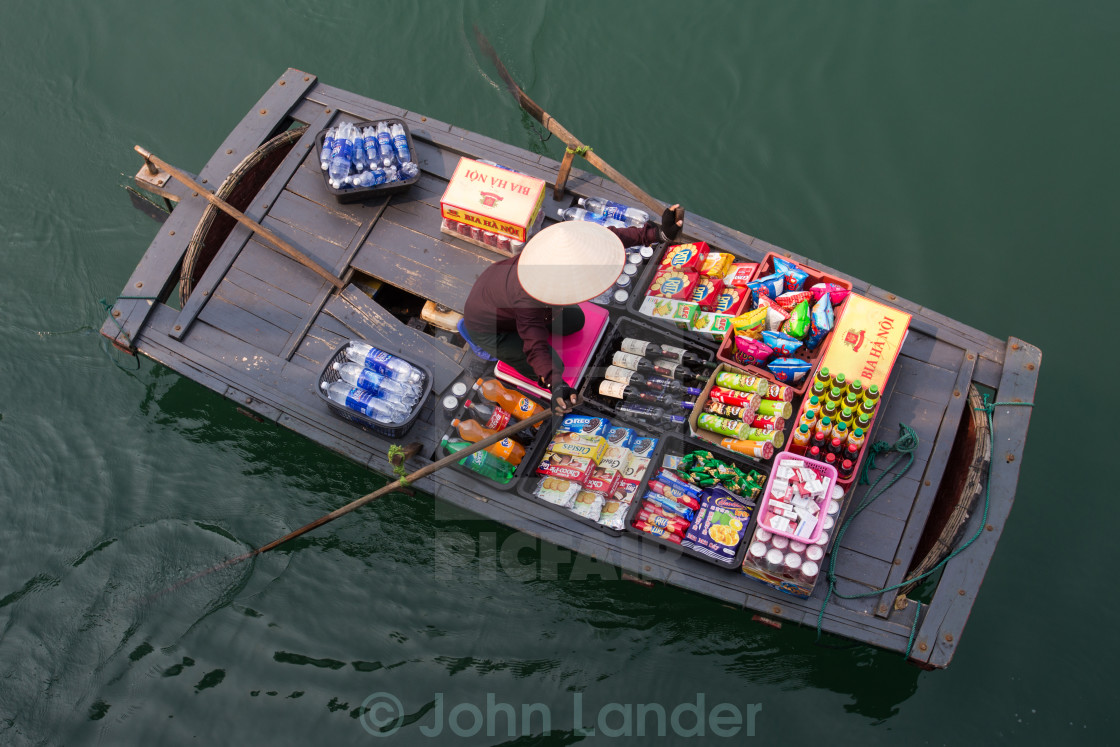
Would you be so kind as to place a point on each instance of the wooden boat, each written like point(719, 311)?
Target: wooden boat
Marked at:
point(213, 301)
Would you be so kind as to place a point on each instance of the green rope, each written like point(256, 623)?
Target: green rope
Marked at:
point(399, 470)
point(906, 448)
point(581, 151)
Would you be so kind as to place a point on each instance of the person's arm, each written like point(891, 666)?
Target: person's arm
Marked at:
point(672, 220)
point(535, 330)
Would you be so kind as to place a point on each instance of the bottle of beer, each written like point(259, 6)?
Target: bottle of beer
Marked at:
point(495, 418)
point(506, 449)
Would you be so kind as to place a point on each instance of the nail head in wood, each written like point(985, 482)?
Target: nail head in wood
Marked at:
point(140, 285)
point(178, 327)
point(170, 233)
point(922, 646)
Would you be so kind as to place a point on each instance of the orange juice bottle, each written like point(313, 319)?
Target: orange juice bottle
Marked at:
point(510, 401)
point(506, 449)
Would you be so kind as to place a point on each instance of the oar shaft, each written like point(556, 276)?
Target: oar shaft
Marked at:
point(417, 475)
point(241, 218)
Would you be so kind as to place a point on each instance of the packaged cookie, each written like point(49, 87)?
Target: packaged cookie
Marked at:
point(557, 490)
point(669, 282)
point(588, 504)
point(686, 256)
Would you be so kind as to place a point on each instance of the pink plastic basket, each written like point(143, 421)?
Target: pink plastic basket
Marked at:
point(822, 470)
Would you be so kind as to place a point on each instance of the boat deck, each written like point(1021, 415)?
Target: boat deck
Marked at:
point(259, 327)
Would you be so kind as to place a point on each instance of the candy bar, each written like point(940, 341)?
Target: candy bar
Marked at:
point(566, 466)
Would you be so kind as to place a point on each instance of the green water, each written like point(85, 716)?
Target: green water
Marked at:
point(961, 155)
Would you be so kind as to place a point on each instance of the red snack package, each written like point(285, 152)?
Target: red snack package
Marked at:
point(673, 283)
point(740, 274)
point(686, 256)
point(788, 300)
point(706, 293)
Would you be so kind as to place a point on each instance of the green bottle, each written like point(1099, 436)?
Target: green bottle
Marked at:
point(482, 462)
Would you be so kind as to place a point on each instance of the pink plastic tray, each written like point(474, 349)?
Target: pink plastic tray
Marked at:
point(821, 469)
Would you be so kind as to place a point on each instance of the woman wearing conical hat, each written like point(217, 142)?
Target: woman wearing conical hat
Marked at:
point(517, 304)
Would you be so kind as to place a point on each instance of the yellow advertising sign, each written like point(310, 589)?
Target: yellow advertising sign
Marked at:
point(865, 341)
point(492, 198)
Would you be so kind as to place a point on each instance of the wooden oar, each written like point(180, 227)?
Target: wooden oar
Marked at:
point(241, 218)
point(389, 488)
point(570, 140)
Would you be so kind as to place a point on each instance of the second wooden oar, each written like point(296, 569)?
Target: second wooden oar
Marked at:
point(241, 218)
point(571, 141)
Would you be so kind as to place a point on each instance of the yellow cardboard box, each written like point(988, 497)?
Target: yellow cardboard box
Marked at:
point(865, 341)
point(494, 199)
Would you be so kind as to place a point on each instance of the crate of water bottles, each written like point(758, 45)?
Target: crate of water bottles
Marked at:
point(373, 388)
point(362, 159)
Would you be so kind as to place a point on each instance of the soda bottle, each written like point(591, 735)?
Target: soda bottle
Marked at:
point(400, 143)
point(840, 382)
point(847, 416)
point(325, 151)
point(824, 427)
point(359, 400)
point(819, 440)
point(615, 210)
point(840, 431)
point(496, 419)
point(830, 409)
point(575, 213)
point(814, 453)
point(506, 449)
point(857, 437)
point(512, 402)
point(856, 387)
point(872, 395)
point(830, 459)
point(835, 446)
point(844, 471)
point(384, 144)
point(835, 396)
point(482, 462)
point(380, 386)
point(850, 400)
point(809, 418)
point(384, 363)
point(800, 441)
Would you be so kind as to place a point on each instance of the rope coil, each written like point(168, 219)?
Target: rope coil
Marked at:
point(905, 446)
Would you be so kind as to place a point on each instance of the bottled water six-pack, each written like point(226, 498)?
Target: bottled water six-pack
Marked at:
point(366, 156)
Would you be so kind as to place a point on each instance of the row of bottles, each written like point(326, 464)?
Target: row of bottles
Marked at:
point(835, 421)
point(366, 157)
point(654, 383)
point(376, 384)
point(487, 412)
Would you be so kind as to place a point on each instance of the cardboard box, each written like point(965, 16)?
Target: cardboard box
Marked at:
point(493, 199)
point(866, 340)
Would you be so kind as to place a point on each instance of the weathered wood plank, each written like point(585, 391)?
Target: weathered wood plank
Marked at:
point(944, 620)
point(874, 534)
point(277, 296)
point(931, 351)
point(918, 379)
point(931, 480)
point(332, 226)
point(226, 313)
point(373, 323)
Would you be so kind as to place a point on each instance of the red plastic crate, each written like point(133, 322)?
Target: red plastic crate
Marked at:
point(766, 267)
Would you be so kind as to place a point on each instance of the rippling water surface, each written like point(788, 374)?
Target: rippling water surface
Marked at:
point(961, 155)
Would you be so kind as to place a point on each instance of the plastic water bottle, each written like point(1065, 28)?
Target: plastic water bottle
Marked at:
point(359, 157)
point(409, 170)
point(341, 153)
point(391, 174)
point(325, 152)
point(369, 142)
point(616, 210)
point(400, 143)
point(380, 386)
point(384, 363)
point(482, 462)
point(576, 213)
point(385, 144)
point(376, 175)
point(359, 400)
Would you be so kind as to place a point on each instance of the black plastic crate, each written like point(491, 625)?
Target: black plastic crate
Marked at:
point(328, 375)
point(531, 478)
point(358, 194)
point(679, 446)
point(627, 327)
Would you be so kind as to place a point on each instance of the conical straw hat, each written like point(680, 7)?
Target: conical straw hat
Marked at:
point(570, 262)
